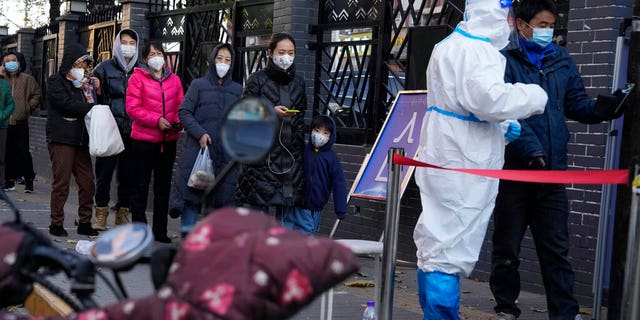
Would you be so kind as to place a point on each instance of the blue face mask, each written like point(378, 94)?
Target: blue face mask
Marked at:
point(11, 66)
point(541, 36)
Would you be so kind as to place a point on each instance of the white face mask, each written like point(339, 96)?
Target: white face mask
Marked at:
point(156, 63)
point(77, 73)
point(128, 51)
point(222, 69)
point(318, 139)
point(284, 61)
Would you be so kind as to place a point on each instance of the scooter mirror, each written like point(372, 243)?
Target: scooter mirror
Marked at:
point(248, 130)
point(122, 246)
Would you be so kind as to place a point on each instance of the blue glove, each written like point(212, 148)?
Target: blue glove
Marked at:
point(513, 131)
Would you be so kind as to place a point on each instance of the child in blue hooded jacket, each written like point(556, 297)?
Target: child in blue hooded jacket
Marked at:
point(323, 175)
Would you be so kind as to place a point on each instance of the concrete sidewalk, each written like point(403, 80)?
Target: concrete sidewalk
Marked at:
point(349, 302)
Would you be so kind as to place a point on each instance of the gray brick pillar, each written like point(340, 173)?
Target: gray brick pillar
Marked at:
point(25, 42)
point(295, 17)
point(67, 32)
point(134, 17)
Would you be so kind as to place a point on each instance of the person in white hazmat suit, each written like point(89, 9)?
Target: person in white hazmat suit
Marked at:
point(465, 127)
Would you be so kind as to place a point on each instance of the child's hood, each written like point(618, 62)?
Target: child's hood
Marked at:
point(332, 139)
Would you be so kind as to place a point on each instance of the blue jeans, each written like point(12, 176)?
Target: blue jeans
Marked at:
point(189, 217)
point(295, 218)
point(545, 210)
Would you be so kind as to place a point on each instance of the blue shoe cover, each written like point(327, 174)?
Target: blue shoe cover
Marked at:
point(439, 295)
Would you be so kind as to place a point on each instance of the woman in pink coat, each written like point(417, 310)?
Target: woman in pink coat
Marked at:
point(154, 95)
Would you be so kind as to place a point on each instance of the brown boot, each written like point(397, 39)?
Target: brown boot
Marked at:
point(101, 218)
point(122, 216)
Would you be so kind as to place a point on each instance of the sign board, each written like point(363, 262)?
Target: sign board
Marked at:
point(401, 129)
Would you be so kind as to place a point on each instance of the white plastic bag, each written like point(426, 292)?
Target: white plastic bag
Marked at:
point(104, 136)
point(84, 247)
point(202, 175)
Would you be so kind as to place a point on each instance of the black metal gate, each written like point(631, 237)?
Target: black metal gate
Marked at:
point(189, 34)
point(44, 61)
point(361, 57)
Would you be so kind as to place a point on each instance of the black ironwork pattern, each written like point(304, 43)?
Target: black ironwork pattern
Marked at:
point(169, 27)
point(416, 13)
point(194, 30)
point(342, 86)
point(252, 59)
point(7, 40)
point(256, 17)
point(49, 29)
point(206, 28)
point(170, 5)
point(44, 61)
point(350, 10)
point(356, 79)
point(101, 14)
point(102, 43)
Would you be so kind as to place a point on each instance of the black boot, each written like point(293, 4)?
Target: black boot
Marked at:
point(87, 230)
point(162, 238)
point(57, 230)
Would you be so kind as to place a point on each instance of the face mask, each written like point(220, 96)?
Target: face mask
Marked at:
point(128, 51)
point(222, 69)
point(284, 61)
point(318, 139)
point(541, 36)
point(156, 63)
point(77, 73)
point(11, 66)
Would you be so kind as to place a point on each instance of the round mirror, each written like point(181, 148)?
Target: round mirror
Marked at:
point(248, 130)
point(121, 246)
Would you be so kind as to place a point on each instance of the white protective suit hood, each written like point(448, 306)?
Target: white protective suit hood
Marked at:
point(488, 19)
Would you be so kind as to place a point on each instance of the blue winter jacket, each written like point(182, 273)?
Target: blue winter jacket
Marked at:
point(323, 174)
point(547, 134)
point(202, 111)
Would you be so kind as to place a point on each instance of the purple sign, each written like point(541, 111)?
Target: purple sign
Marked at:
point(401, 130)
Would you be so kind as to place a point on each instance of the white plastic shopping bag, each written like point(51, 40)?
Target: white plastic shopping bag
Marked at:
point(202, 175)
point(104, 136)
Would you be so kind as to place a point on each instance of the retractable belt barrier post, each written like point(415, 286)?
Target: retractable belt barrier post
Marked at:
point(630, 309)
point(391, 235)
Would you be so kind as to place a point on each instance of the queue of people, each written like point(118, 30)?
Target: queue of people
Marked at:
point(498, 103)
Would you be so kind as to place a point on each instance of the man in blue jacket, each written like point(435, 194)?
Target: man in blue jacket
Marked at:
point(542, 145)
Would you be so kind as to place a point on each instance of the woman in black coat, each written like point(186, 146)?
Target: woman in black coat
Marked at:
point(278, 180)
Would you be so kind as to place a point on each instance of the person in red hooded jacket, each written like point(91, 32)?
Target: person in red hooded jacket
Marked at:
point(153, 98)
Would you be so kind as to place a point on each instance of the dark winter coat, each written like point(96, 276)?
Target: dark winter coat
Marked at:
point(547, 134)
point(66, 105)
point(202, 111)
point(113, 81)
point(323, 175)
point(278, 180)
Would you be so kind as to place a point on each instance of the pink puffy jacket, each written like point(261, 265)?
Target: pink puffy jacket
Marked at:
point(148, 99)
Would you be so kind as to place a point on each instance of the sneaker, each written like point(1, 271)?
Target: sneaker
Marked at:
point(28, 186)
point(57, 230)
point(9, 186)
point(505, 316)
point(87, 230)
point(20, 180)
